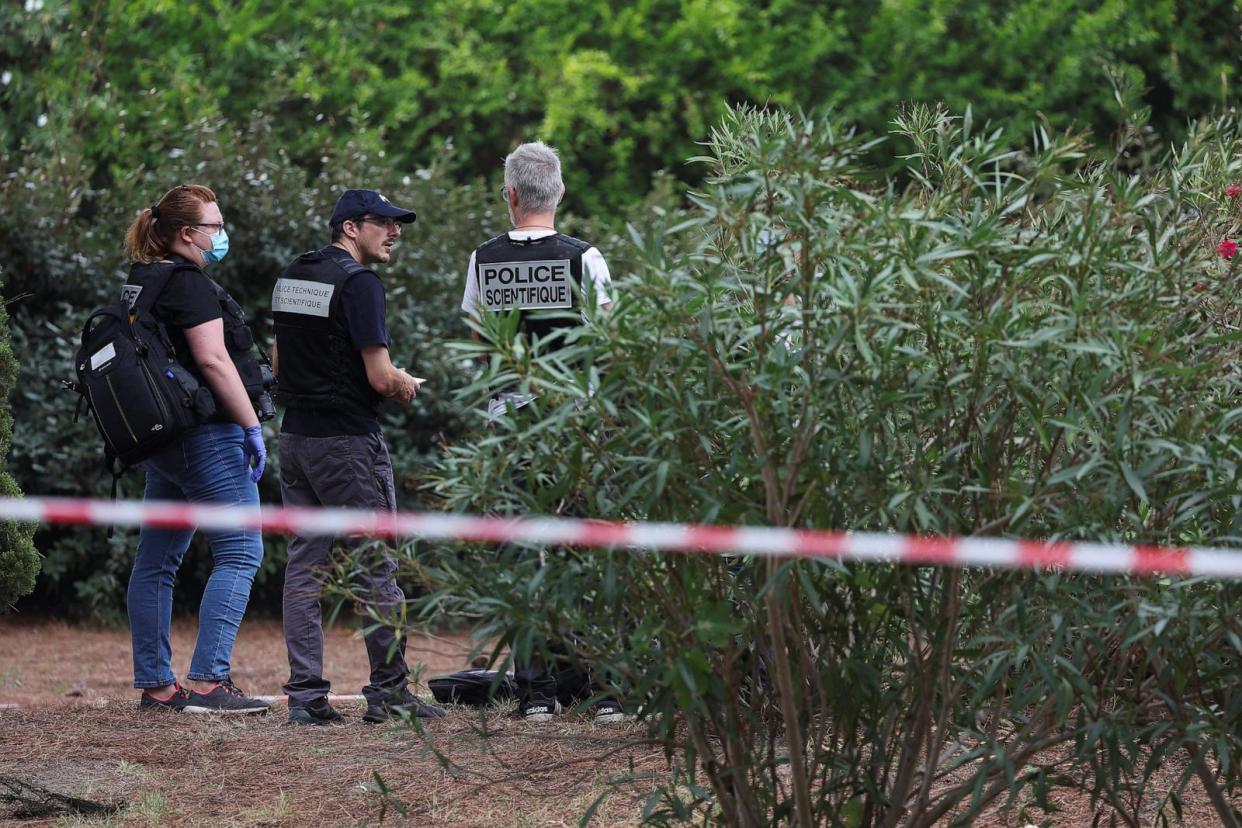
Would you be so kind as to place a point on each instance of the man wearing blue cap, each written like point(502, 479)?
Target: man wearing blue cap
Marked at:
point(334, 370)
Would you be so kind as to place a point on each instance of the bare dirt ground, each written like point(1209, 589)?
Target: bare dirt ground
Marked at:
point(49, 662)
point(69, 724)
point(76, 731)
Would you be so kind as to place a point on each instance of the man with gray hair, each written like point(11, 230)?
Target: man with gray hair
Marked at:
point(533, 268)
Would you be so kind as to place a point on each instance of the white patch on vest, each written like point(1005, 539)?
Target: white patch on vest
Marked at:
point(129, 295)
point(103, 356)
point(525, 285)
point(301, 296)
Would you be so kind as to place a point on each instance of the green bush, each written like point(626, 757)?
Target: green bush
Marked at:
point(19, 561)
point(104, 105)
point(1029, 343)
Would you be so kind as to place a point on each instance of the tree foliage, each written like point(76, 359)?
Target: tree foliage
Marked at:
point(1029, 342)
point(624, 90)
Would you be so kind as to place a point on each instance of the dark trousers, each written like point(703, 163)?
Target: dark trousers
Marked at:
point(550, 674)
point(542, 679)
point(350, 471)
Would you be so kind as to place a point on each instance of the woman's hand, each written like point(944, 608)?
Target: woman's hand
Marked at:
point(256, 452)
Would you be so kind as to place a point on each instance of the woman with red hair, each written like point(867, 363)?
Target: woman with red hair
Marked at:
point(219, 461)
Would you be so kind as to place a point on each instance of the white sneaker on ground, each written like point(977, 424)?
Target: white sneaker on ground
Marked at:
point(609, 711)
point(541, 710)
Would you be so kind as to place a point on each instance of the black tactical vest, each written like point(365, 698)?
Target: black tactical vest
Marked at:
point(532, 274)
point(238, 338)
point(319, 366)
point(239, 341)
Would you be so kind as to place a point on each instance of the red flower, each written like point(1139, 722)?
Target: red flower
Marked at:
point(1227, 248)
point(1233, 191)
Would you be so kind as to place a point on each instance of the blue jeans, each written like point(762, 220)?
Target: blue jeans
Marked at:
point(206, 466)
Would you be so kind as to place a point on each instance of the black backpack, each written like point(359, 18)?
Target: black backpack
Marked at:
point(140, 397)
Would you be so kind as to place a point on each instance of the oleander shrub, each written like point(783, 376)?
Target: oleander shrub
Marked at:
point(1030, 342)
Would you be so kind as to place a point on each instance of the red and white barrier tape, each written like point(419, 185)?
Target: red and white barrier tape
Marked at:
point(668, 537)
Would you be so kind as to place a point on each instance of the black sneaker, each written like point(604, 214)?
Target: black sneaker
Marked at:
point(315, 712)
point(541, 710)
point(227, 699)
point(609, 711)
point(177, 702)
point(400, 706)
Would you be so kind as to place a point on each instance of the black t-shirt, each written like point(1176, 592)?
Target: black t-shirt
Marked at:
point(363, 303)
point(187, 301)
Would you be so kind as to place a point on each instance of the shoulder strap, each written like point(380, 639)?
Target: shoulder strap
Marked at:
point(350, 266)
point(226, 300)
point(494, 240)
point(339, 257)
point(579, 244)
point(151, 291)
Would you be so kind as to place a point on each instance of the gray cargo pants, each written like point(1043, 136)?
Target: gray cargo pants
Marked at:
point(352, 471)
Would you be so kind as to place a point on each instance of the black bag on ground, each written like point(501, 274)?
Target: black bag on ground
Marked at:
point(140, 397)
point(476, 688)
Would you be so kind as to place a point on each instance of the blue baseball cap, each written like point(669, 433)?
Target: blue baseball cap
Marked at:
point(354, 203)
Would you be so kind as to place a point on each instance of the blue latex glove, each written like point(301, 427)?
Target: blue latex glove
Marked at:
point(256, 452)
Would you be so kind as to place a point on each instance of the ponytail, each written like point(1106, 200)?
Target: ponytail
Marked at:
point(141, 242)
point(151, 235)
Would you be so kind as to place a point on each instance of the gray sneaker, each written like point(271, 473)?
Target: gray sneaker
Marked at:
point(177, 702)
point(399, 706)
point(226, 699)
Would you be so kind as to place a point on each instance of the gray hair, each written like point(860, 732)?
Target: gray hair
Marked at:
point(533, 170)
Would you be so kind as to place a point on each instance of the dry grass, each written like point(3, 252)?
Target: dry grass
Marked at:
point(165, 768)
point(46, 662)
point(78, 733)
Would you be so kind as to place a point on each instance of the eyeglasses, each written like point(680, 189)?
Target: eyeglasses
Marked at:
point(385, 222)
point(504, 194)
point(214, 228)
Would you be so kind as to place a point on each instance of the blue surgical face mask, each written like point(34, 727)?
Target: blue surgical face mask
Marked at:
point(219, 246)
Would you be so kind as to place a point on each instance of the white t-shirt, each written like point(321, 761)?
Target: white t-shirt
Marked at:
point(593, 267)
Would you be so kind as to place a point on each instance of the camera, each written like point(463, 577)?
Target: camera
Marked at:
point(264, 409)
